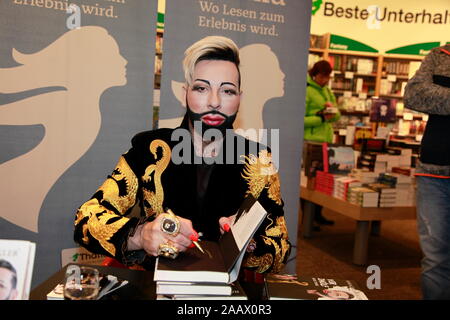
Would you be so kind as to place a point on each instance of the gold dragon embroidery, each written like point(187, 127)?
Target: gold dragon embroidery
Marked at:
point(155, 199)
point(262, 263)
point(122, 198)
point(122, 174)
point(279, 230)
point(99, 228)
point(260, 173)
point(103, 231)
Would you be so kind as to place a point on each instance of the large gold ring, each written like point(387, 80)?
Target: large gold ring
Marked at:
point(167, 250)
point(170, 224)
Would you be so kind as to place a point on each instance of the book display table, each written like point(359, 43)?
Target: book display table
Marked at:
point(365, 218)
point(141, 285)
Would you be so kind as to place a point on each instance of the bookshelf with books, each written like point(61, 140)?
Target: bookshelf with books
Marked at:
point(353, 72)
point(317, 48)
point(367, 71)
point(362, 74)
point(395, 72)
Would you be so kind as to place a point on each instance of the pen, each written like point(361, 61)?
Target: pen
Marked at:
point(195, 242)
point(198, 246)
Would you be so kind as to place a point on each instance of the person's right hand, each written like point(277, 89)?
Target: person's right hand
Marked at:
point(152, 236)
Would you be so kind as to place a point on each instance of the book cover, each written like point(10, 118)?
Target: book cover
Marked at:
point(312, 158)
point(16, 268)
point(291, 287)
point(222, 262)
point(383, 110)
point(338, 159)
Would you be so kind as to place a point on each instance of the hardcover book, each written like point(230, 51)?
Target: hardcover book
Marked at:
point(185, 288)
point(383, 110)
point(16, 262)
point(291, 287)
point(237, 293)
point(338, 159)
point(223, 259)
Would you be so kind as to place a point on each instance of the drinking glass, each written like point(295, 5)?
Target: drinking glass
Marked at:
point(81, 283)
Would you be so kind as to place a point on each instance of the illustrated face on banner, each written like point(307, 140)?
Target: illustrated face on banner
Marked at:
point(85, 62)
point(262, 79)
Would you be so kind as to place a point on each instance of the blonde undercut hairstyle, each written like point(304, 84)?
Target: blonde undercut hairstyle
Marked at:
point(210, 48)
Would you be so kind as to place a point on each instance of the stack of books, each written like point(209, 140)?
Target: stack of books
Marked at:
point(325, 182)
point(198, 275)
point(387, 194)
point(199, 291)
point(363, 196)
point(341, 186)
point(404, 186)
point(212, 272)
point(364, 176)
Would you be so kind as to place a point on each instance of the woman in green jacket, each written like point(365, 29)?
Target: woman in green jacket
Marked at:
point(321, 108)
point(320, 112)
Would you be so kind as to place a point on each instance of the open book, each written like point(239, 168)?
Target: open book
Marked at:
point(16, 262)
point(224, 261)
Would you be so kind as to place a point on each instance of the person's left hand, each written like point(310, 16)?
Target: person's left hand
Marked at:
point(225, 223)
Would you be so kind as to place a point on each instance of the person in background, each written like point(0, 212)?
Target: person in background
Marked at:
point(429, 92)
point(320, 113)
point(8, 281)
point(203, 194)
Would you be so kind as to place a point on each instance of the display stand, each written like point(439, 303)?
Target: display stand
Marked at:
point(368, 220)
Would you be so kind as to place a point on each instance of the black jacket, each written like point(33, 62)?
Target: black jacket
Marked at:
point(151, 180)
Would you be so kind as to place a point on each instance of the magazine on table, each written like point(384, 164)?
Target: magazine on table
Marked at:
point(291, 287)
point(16, 266)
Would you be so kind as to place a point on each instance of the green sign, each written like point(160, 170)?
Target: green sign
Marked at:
point(343, 43)
point(160, 20)
point(419, 49)
point(316, 6)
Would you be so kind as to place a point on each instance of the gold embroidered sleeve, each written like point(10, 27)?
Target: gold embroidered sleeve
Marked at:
point(271, 247)
point(102, 217)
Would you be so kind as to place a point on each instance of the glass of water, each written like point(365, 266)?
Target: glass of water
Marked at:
point(81, 283)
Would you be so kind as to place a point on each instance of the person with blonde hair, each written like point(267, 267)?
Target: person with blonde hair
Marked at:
point(184, 190)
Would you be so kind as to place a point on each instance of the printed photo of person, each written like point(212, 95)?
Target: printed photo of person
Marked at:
point(8, 281)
